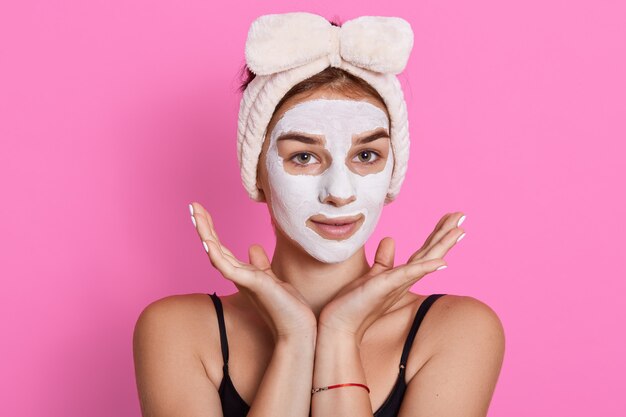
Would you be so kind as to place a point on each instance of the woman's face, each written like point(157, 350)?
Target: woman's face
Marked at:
point(325, 170)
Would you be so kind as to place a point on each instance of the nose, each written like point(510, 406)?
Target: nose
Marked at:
point(338, 187)
point(338, 202)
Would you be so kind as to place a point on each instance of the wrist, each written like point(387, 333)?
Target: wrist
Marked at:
point(302, 340)
point(337, 359)
point(337, 336)
point(336, 341)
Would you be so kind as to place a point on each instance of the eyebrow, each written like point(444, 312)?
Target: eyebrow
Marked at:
point(380, 133)
point(300, 138)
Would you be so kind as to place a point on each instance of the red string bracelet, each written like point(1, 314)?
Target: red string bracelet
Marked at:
point(314, 390)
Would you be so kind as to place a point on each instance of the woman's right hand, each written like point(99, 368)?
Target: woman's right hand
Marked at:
point(282, 307)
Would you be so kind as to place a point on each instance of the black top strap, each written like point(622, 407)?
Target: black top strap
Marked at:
point(220, 320)
point(419, 316)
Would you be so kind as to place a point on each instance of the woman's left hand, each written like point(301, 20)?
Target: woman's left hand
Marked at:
point(359, 304)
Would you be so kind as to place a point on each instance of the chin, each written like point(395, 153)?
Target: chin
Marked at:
point(295, 248)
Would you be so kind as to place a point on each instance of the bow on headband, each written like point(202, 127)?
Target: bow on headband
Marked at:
point(278, 42)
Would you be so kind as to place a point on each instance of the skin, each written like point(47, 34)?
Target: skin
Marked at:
point(296, 323)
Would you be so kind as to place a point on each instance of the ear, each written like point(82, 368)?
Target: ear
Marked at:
point(262, 198)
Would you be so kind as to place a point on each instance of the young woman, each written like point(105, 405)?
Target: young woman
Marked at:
point(319, 330)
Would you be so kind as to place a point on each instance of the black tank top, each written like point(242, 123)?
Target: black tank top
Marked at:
point(234, 406)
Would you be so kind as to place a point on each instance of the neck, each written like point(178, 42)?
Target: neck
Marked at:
point(318, 282)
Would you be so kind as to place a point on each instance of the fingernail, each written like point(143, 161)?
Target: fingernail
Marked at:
point(193, 221)
point(206, 247)
point(460, 237)
point(442, 267)
point(191, 209)
point(461, 220)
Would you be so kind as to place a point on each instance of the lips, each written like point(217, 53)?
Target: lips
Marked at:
point(335, 228)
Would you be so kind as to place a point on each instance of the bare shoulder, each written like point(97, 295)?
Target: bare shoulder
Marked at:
point(167, 339)
point(177, 319)
point(461, 314)
point(186, 322)
point(178, 308)
point(466, 348)
point(457, 320)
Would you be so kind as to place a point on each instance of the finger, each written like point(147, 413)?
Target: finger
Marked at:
point(217, 240)
point(259, 258)
point(438, 226)
point(445, 244)
point(392, 285)
point(412, 272)
point(200, 211)
point(453, 220)
point(202, 221)
point(407, 286)
point(397, 294)
point(385, 254)
point(211, 225)
point(230, 271)
point(218, 260)
point(447, 223)
point(204, 226)
point(227, 253)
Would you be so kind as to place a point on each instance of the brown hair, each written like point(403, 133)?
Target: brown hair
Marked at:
point(332, 78)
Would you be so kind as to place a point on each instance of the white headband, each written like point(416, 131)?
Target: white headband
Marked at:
point(285, 49)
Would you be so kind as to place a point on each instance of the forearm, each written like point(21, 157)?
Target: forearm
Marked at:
point(338, 361)
point(285, 389)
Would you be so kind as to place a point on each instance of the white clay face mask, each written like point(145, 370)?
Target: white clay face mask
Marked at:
point(298, 198)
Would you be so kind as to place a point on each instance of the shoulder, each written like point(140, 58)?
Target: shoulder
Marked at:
point(180, 326)
point(175, 312)
point(465, 339)
point(461, 315)
point(452, 324)
point(458, 320)
point(462, 310)
point(171, 377)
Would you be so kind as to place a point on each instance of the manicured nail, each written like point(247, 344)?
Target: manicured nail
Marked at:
point(193, 221)
point(460, 237)
point(461, 220)
point(206, 247)
point(442, 267)
point(191, 209)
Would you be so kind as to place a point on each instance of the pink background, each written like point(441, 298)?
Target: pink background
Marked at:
point(115, 115)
